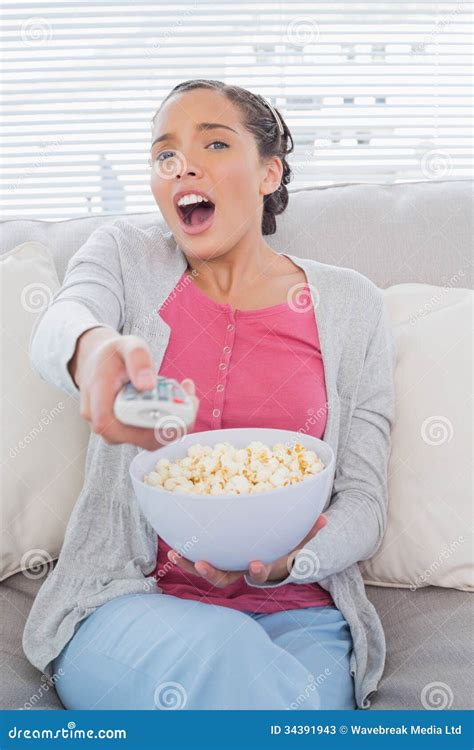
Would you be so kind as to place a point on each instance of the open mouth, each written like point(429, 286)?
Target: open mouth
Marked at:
point(196, 214)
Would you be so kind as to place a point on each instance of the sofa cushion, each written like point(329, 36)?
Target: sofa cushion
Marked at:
point(44, 440)
point(428, 539)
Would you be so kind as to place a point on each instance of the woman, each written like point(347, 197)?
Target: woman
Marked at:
point(214, 306)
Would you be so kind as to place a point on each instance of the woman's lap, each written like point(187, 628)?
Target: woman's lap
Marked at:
point(160, 652)
point(320, 638)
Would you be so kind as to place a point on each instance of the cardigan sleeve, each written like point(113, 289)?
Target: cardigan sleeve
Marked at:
point(357, 513)
point(92, 295)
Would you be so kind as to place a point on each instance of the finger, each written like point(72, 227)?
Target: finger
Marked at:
point(138, 362)
point(210, 573)
point(181, 562)
point(190, 426)
point(189, 386)
point(215, 576)
point(84, 406)
point(105, 423)
point(258, 571)
point(101, 404)
point(320, 522)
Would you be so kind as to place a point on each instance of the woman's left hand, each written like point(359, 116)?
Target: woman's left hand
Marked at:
point(258, 572)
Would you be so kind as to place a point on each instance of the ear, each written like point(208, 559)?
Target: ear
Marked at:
point(273, 172)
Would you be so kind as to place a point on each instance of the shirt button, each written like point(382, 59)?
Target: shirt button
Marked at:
point(230, 327)
point(226, 349)
point(222, 366)
point(216, 413)
point(220, 387)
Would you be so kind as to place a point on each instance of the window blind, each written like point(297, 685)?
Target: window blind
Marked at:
point(372, 91)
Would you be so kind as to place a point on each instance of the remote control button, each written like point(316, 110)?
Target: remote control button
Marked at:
point(162, 391)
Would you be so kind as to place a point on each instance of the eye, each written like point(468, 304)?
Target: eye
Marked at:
point(221, 143)
point(159, 156)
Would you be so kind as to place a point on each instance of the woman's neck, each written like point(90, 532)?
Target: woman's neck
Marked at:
point(239, 269)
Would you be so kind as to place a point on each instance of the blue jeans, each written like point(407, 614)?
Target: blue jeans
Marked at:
point(161, 652)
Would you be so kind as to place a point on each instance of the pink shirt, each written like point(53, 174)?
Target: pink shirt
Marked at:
point(251, 368)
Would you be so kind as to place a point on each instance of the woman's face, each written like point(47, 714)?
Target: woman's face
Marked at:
point(203, 148)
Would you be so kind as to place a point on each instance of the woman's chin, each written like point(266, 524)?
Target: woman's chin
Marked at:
point(207, 253)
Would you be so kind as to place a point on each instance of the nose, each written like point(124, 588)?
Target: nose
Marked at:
point(187, 171)
point(188, 168)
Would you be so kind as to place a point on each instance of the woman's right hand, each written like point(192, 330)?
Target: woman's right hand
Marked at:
point(103, 362)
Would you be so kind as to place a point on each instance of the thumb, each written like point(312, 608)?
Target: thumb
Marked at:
point(138, 363)
point(319, 524)
point(189, 386)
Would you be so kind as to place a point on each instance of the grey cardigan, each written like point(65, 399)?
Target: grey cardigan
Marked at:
point(119, 278)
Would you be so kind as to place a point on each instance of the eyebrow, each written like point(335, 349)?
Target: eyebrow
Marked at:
point(200, 126)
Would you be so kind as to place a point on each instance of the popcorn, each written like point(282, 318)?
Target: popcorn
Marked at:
point(224, 470)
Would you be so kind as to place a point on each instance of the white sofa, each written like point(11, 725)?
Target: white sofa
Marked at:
point(411, 232)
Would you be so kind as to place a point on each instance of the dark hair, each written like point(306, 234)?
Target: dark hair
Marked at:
point(260, 121)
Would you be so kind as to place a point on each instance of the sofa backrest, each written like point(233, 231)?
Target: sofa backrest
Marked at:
point(396, 233)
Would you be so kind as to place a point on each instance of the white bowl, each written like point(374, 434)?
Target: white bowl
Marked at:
point(231, 530)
